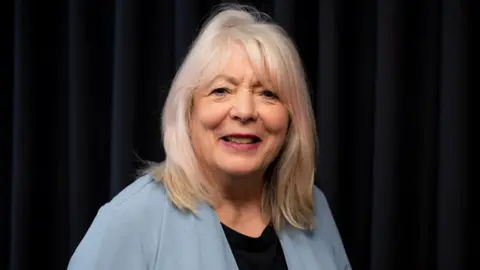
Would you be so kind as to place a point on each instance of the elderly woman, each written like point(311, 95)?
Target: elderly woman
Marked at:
point(236, 190)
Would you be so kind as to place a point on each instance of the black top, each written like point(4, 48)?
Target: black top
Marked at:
point(262, 253)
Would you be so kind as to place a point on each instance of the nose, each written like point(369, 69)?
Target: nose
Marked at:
point(243, 107)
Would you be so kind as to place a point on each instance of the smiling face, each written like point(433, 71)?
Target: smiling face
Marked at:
point(237, 125)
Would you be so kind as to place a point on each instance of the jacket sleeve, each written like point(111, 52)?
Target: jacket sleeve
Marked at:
point(112, 242)
point(328, 230)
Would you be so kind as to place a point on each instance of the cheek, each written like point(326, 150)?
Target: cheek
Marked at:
point(208, 116)
point(276, 120)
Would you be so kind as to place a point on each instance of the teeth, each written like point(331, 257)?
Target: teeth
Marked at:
point(240, 140)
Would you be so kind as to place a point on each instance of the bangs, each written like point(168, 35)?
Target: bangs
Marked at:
point(264, 56)
point(215, 62)
point(267, 68)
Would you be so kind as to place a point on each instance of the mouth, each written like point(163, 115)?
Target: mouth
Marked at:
point(241, 139)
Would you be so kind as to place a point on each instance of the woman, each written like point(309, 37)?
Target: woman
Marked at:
point(236, 190)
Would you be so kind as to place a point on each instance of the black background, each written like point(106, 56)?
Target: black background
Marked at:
point(83, 83)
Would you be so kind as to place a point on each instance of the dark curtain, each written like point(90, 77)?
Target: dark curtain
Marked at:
point(83, 83)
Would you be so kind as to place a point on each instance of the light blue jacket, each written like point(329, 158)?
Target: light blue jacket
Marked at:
point(140, 229)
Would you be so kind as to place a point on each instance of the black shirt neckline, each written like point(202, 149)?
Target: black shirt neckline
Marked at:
point(255, 244)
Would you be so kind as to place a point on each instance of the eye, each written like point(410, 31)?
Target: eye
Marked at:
point(269, 94)
point(219, 91)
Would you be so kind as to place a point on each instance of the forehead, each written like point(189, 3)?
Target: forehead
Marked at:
point(238, 69)
point(239, 63)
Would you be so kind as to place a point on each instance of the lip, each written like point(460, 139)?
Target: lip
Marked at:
point(243, 135)
point(241, 146)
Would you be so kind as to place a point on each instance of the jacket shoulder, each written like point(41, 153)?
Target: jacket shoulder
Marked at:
point(144, 190)
point(326, 229)
point(126, 230)
point(141, 201)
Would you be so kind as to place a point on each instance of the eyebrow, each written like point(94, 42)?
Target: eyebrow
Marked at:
point(234, 80)
point(229, 79)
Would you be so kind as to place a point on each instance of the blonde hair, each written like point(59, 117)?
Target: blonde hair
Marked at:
point(287, 196)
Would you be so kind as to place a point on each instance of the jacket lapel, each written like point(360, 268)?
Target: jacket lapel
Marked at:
point(300, 254)
point(213, 244)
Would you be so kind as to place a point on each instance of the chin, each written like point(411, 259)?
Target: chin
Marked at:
point(239, 168)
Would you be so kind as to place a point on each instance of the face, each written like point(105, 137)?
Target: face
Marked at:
point(238, 126)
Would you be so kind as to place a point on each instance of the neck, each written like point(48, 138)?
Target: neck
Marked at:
point(238, 194)
point(240, 191)
point(240, 204)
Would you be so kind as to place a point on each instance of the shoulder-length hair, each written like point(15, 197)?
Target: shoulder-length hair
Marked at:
point(287, 195)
